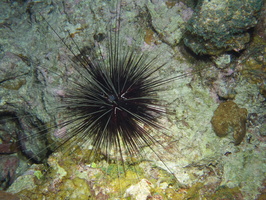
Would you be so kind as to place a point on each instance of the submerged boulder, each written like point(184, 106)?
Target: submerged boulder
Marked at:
point(218, 26)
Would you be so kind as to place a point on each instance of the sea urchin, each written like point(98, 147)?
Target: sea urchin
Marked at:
point(114, 104)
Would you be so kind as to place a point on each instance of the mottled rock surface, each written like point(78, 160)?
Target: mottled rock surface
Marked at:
point(218, 26)
point(205, 166)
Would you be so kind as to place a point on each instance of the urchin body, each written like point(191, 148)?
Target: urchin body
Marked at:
point(114, 100)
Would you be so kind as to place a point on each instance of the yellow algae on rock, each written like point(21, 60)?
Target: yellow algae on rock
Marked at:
point(228, 116)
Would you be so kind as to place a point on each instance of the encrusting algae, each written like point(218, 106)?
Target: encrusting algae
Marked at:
point(229, 116)
point(76, 178)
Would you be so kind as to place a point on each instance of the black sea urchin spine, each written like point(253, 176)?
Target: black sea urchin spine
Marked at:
point(115, 104)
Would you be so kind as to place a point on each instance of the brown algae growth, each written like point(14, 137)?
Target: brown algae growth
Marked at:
point(229, 117)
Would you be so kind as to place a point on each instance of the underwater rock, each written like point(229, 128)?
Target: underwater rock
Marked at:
point(8, 196)
point(24, 182)
point(262, 130)
point(218, 26)
point(229, 116)
point(8, 167)
point(140, 191)
point(18, 133)
point(32, 138)
point(15, 147)
point(260, 28)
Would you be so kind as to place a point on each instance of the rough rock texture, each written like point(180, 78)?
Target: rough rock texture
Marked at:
point(8, 196)
point(36, 68)
point(218, 26)
point(20, 139)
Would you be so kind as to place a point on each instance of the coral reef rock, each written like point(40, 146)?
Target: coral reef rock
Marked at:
point(219, 26)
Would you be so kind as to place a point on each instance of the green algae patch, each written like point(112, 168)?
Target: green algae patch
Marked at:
point(202, 191)
point(75, 177)
point(229, 117)
point(254, 62)
point(194, 191)
point(15, 84)
point(38, 174)
point(226, 193)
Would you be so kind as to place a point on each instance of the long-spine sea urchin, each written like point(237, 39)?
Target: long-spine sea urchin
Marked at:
point(115, 104)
